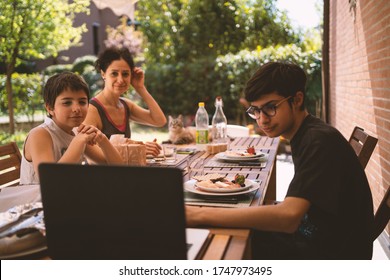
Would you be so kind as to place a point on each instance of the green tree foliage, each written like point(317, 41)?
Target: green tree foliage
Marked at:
point(185, 30)
point(264, 25)
point(236, 69)
point(178, 87)
point(36, 29)
point(27, 89)
point(199, 49)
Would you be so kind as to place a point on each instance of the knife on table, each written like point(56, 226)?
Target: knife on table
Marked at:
point(249, 163)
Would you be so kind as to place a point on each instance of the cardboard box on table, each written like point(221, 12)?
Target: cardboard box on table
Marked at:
point(132, 152)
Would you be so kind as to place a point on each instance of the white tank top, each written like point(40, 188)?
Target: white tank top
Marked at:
point(61, 141)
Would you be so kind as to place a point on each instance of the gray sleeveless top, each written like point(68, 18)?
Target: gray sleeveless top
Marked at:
point(61, 141)
point(109, 127)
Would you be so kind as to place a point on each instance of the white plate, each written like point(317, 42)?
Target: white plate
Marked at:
point(24, 253)
point(190, 187)
point(222, 156)
point(14, 246)
point(248, 184)
point(236, 155)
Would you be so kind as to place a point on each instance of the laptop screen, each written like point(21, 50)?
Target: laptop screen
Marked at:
point(113, 212)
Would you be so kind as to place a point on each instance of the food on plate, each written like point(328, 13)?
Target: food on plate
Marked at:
point(239, 179)
point(238, 154)
point(218, 181)
point(251, 150)
point(212, 177)
point(223, 184)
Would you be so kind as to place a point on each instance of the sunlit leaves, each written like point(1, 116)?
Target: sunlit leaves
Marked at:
point(38, 28)
point(31, 29)
point(239, 67)
point(198, 49)
point(182, 30)
point(27, 90)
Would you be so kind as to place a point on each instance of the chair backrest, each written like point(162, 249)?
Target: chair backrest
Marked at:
point(382, 215)
point(363, 144)
point(10, 160)
point(237, 130)
point(233, 130)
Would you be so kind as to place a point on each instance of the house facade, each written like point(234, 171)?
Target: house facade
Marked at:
point(92, 42)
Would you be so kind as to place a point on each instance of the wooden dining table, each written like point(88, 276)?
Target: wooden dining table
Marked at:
point(229, 243)
point(233, 243)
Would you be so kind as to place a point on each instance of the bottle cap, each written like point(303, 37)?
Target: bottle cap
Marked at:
point(218, 101)
point(201, 104)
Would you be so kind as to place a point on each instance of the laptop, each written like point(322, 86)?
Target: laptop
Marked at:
point(116, 212)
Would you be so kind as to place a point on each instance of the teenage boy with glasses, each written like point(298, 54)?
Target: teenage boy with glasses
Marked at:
point(327, 212)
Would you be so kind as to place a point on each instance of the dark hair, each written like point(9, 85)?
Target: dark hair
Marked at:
point(109, 55)
point(285, 78)
point(58, 83)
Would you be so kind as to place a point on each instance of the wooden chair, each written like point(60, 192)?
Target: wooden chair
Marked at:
point(382, 215)
point(363, 144)
point(237, 131)
point(10, 160)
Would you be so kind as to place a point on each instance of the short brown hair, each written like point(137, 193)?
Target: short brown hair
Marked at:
point(285, 78)
point(58, 83)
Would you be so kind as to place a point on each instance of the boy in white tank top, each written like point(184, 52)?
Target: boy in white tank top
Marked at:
point(63, 137)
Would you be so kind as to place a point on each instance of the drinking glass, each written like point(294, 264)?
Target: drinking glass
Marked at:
point(170, 152)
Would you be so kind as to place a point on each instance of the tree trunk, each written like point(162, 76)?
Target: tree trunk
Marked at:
point(8, 88)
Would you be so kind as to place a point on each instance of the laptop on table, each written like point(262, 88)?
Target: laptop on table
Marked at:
point(115, 212)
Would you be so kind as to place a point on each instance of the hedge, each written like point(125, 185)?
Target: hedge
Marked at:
point(179, 88)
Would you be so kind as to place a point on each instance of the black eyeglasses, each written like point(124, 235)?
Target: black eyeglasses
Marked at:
point(268, 109)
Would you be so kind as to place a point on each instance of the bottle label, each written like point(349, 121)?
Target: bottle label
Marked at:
point(202, 136)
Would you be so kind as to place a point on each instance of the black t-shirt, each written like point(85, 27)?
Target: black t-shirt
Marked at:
point(328, 173)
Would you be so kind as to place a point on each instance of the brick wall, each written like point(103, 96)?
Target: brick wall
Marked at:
point(359, 61)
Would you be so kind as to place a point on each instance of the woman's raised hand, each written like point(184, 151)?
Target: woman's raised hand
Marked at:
point(137, 78)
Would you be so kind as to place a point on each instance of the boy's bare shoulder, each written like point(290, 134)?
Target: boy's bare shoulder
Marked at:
point(38, 133)
point(38, 140)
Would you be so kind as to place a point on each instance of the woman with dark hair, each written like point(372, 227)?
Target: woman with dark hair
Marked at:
point(109, 111)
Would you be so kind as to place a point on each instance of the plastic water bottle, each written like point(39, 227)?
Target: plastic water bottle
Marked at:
point(202, 127)
point(219, 123)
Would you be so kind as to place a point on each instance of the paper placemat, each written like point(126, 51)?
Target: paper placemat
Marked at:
point(244, 200)
point(218, 163)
